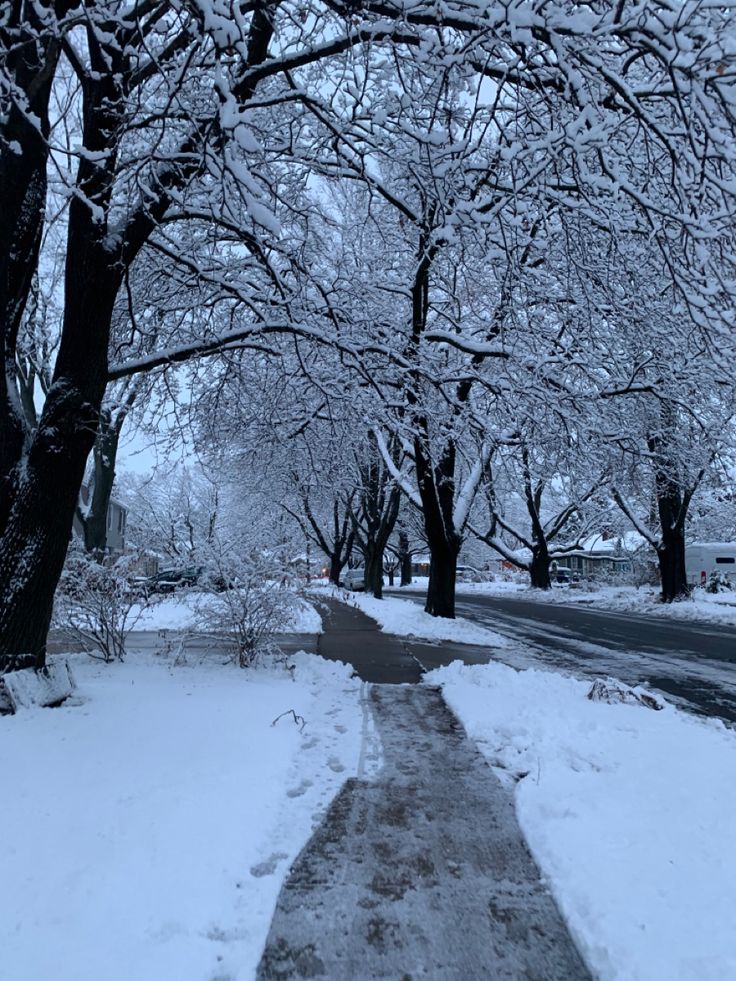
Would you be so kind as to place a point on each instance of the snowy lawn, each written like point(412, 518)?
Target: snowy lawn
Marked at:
point(148, 827)
point(404, 618)
point(631, 813)
point(179, 611)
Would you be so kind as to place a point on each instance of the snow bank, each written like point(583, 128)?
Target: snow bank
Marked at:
point(404, 618)
point(148, 827)
point(631, 813)
point(167, 613)
point(701, 606)
point(179, 612)
point(304, 620)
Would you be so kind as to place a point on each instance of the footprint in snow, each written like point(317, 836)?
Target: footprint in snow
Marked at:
point(301, 789)
point(268, 866)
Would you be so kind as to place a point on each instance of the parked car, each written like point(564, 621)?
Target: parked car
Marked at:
point(168, 580)
point(353, 579)
point(466, 573)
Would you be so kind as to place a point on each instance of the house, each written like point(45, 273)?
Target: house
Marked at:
point(420, 565)
point(117, 515)
point(601, 555)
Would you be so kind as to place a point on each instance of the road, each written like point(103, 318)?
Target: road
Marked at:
point(692, 664)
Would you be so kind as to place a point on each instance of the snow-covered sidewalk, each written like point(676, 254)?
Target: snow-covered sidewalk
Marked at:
point(405, 618)
point(147, 825)
point(631, 813)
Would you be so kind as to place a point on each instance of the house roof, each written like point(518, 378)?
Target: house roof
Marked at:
point(630, 541)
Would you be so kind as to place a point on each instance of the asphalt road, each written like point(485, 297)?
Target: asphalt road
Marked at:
point(692, 664)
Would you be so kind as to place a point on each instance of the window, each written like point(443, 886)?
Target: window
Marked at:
point(109, 517)
point(725, 560)
point(121, 521)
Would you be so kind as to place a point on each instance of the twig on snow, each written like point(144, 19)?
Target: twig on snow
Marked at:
point(298, 719)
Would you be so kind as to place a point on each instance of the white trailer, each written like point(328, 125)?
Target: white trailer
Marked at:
point(704, 558)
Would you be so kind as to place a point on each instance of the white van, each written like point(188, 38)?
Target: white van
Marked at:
point(704, 558)
point(353, 579)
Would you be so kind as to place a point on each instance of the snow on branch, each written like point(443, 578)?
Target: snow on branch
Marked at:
point(639, 525)
point(482, 349)
point(398, 475)
point(466, 496)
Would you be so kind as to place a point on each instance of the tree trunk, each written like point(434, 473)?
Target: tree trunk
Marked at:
point(442, 576)
point(28, 68)
point(34, 545)
point(437, 490)
point(337, 564)
point(672, 571)
point(374, 572)
point(46, 482)
point(95, 522)
point(673, 501)
point(404, 559)
point(539, 568)
point(34, 542)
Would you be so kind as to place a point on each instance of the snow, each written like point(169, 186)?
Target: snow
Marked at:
point(179, 612)
point(152, 820)
point(624, 545)
point(700, 606)
point(21, 689)
point(629, 812)
point(406, 619)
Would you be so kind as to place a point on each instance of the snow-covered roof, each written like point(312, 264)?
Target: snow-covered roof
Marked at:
point(630, 541)
point(712, 545)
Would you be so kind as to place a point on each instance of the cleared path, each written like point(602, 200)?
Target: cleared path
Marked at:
point(349, 635)
point(421, 873)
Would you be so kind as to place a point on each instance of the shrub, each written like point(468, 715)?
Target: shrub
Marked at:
point(717, 583)
point(249, 600)
point(96, 605)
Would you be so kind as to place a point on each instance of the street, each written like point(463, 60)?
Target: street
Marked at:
point(692, 664)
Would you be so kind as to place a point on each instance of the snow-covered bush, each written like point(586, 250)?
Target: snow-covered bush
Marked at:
point(95, 605)
point(718, 583)
point(249, 600)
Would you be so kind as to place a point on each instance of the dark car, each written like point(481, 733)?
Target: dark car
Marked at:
point(170, 579)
